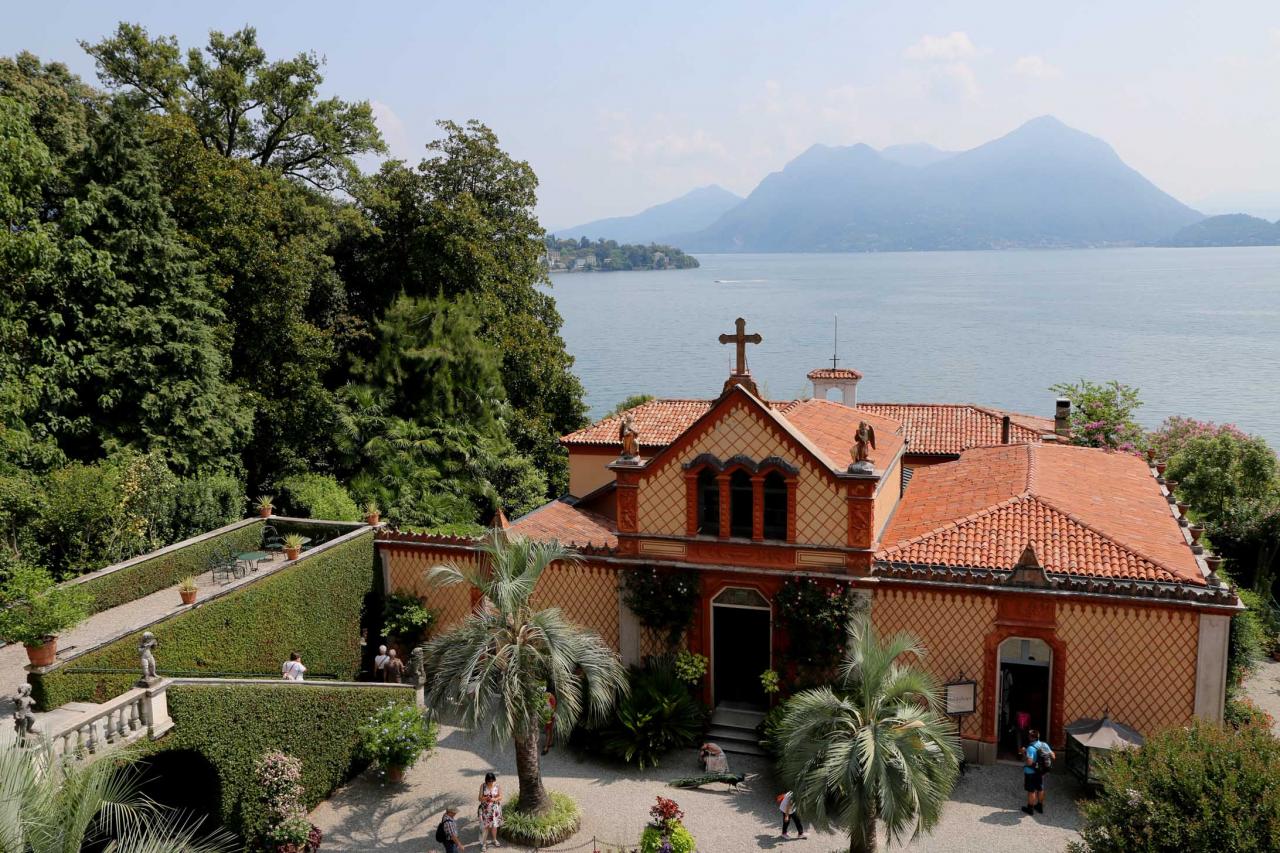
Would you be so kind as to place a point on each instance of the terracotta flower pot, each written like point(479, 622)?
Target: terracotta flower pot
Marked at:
point(265, 511)
point(44, 653)
point(1197, 530)
point(372, 518)
point(188, 596)
point(395, 774)
point(292, 553)
point(1160, 466)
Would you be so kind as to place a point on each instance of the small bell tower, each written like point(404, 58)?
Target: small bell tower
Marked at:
point(844, 378)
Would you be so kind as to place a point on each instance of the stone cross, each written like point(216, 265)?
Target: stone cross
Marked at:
point(741, 338)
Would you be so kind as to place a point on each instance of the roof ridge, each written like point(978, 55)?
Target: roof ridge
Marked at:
point(955, 523)
point(1031, 468)
point(1077, 520)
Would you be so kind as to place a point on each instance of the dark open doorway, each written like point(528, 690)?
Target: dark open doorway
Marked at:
point(183, 780)
point(740, 654)
point(1025, 668)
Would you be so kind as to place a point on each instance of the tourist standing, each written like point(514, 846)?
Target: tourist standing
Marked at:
point(490, 809)
point(1038, 757)
point(550, 726)
point(394, 668)
point(447, 831)
point(380, 664)
point(787, 805)
point(292, 669)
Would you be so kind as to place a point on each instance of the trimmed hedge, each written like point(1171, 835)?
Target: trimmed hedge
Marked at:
point(232, 725)
point(312, 607)
point(166, 570)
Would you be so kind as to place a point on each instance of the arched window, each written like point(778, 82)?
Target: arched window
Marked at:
point(740, 499)
point(708, 503)
point(775, 506)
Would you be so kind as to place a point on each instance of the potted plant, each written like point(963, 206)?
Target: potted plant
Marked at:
point(187, 589)
point(265, 506)
point(284, 827)
point(292, 546)
point(395, 737)
point(405, 617)
point(34, 611)
point(372, 513)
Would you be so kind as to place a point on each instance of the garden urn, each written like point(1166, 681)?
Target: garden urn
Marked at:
point(43, 654)
point(188, 596)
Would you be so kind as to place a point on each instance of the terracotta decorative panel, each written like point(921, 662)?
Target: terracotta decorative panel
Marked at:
point(951, 627)
point(1139, 663)
point(820, 507)
point(587, 595)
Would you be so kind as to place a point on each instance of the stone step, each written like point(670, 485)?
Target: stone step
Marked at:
point(737, 718)
point(741, 748)
point(724, 735)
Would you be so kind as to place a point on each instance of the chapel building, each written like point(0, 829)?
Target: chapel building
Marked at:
point(1048, 582)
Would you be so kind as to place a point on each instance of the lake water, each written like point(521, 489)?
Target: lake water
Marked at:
point(1197, 330)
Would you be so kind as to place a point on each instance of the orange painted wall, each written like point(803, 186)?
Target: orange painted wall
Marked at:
point(588, 470)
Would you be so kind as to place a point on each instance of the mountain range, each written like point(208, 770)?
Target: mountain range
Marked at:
point(1042, 185)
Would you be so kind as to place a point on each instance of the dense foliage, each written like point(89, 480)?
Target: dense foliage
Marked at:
point(316, 496)
point(233, 725)
point(662, 600)
point(397, 735)
point(313, 607)
point(1102, 414)
point(611, 256)
point(203, 292)
point(284, 828)
point(1198, 788)
point(657, 715)
point(814, 616)
point(406, 618)
point(33, 609)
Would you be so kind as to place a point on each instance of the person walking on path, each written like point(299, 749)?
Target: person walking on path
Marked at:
point(380, 664)
point(1038, 758)
point(393, 669)
point(787, 805)
point(292, 669)
point(490, 809)
point(447, 831)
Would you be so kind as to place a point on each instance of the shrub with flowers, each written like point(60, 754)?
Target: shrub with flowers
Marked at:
point(665, 832)
point(1102, 414)
point(397, 736)
point(814, 616)
point(285, 828)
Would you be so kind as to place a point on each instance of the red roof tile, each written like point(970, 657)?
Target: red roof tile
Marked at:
point(1085, 511)
point(834, 373)
point(953, 428)
point(659, 422)
point(570, 526)
point(830, 428)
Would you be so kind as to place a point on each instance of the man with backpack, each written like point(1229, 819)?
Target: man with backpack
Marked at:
point(1039, 760)
point(447, 831)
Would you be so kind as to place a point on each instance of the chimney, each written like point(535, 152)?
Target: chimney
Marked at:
point(1004, 430)
point(844, 378)
point(1062, 417)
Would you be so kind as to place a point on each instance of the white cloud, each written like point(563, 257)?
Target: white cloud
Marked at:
point(393, 130)
point(948, 48)
point(1036, 66)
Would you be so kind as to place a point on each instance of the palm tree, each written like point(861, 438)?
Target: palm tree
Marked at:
point(494, 669)
point(875, 747)
point(49, 804)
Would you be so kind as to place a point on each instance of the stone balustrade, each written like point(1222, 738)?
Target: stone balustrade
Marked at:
point(85, 730)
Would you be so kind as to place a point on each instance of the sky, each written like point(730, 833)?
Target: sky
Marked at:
point(621, 106)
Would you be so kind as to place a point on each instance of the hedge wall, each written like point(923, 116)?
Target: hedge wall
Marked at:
point(166, 570)
point(312, 607)
point(232, 725)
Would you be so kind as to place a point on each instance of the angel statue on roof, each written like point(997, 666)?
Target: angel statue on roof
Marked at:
point(864, 441)
point(629, 436)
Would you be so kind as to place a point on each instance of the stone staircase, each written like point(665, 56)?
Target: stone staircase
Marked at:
point(734, 728)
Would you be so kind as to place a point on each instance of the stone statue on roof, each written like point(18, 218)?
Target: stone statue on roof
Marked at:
point(630, 437)
point(864, 441)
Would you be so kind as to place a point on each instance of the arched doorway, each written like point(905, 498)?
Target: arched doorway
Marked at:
point(185, 780)
point(741, 646)
point(1023, 693)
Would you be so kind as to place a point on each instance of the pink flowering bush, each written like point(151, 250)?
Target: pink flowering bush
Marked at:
point(285, 826)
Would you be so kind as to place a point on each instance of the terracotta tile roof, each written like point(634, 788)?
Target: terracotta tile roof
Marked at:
point(830, 427)
point(1086, 512)
point(953, 428)
point(834, 373)
point(570, 526)
point(659, 423)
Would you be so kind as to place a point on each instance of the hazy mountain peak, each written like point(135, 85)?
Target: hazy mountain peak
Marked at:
point(692, 211)
point(917, 154)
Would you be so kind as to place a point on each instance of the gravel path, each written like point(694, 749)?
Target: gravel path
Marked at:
point(368, 815)
point(108, 624)
point(1263, 688)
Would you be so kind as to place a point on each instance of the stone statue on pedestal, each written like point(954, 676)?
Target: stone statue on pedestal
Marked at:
point(630, 438)
point(24, 718)
point(864, 441)
point(146, 648)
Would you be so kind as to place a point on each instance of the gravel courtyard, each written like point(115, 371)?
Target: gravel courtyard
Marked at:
point(367, 815)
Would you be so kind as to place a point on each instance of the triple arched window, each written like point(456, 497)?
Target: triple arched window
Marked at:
point(742, 501)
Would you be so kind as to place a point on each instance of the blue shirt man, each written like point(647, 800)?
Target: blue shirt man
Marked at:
point(1032, 778)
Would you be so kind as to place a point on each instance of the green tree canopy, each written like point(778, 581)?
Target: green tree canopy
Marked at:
point(1102, 413)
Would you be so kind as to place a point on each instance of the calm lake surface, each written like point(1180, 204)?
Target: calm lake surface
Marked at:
point(1197, 330)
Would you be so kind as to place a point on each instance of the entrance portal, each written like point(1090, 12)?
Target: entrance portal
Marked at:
point(1025, 669)
point(741, 647)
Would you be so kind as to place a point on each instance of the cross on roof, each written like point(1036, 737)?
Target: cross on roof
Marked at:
point(741, 338)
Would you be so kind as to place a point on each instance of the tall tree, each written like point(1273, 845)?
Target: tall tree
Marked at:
point(495, 667)
point(873, 748)
point(241, 104)
point(463, 222)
